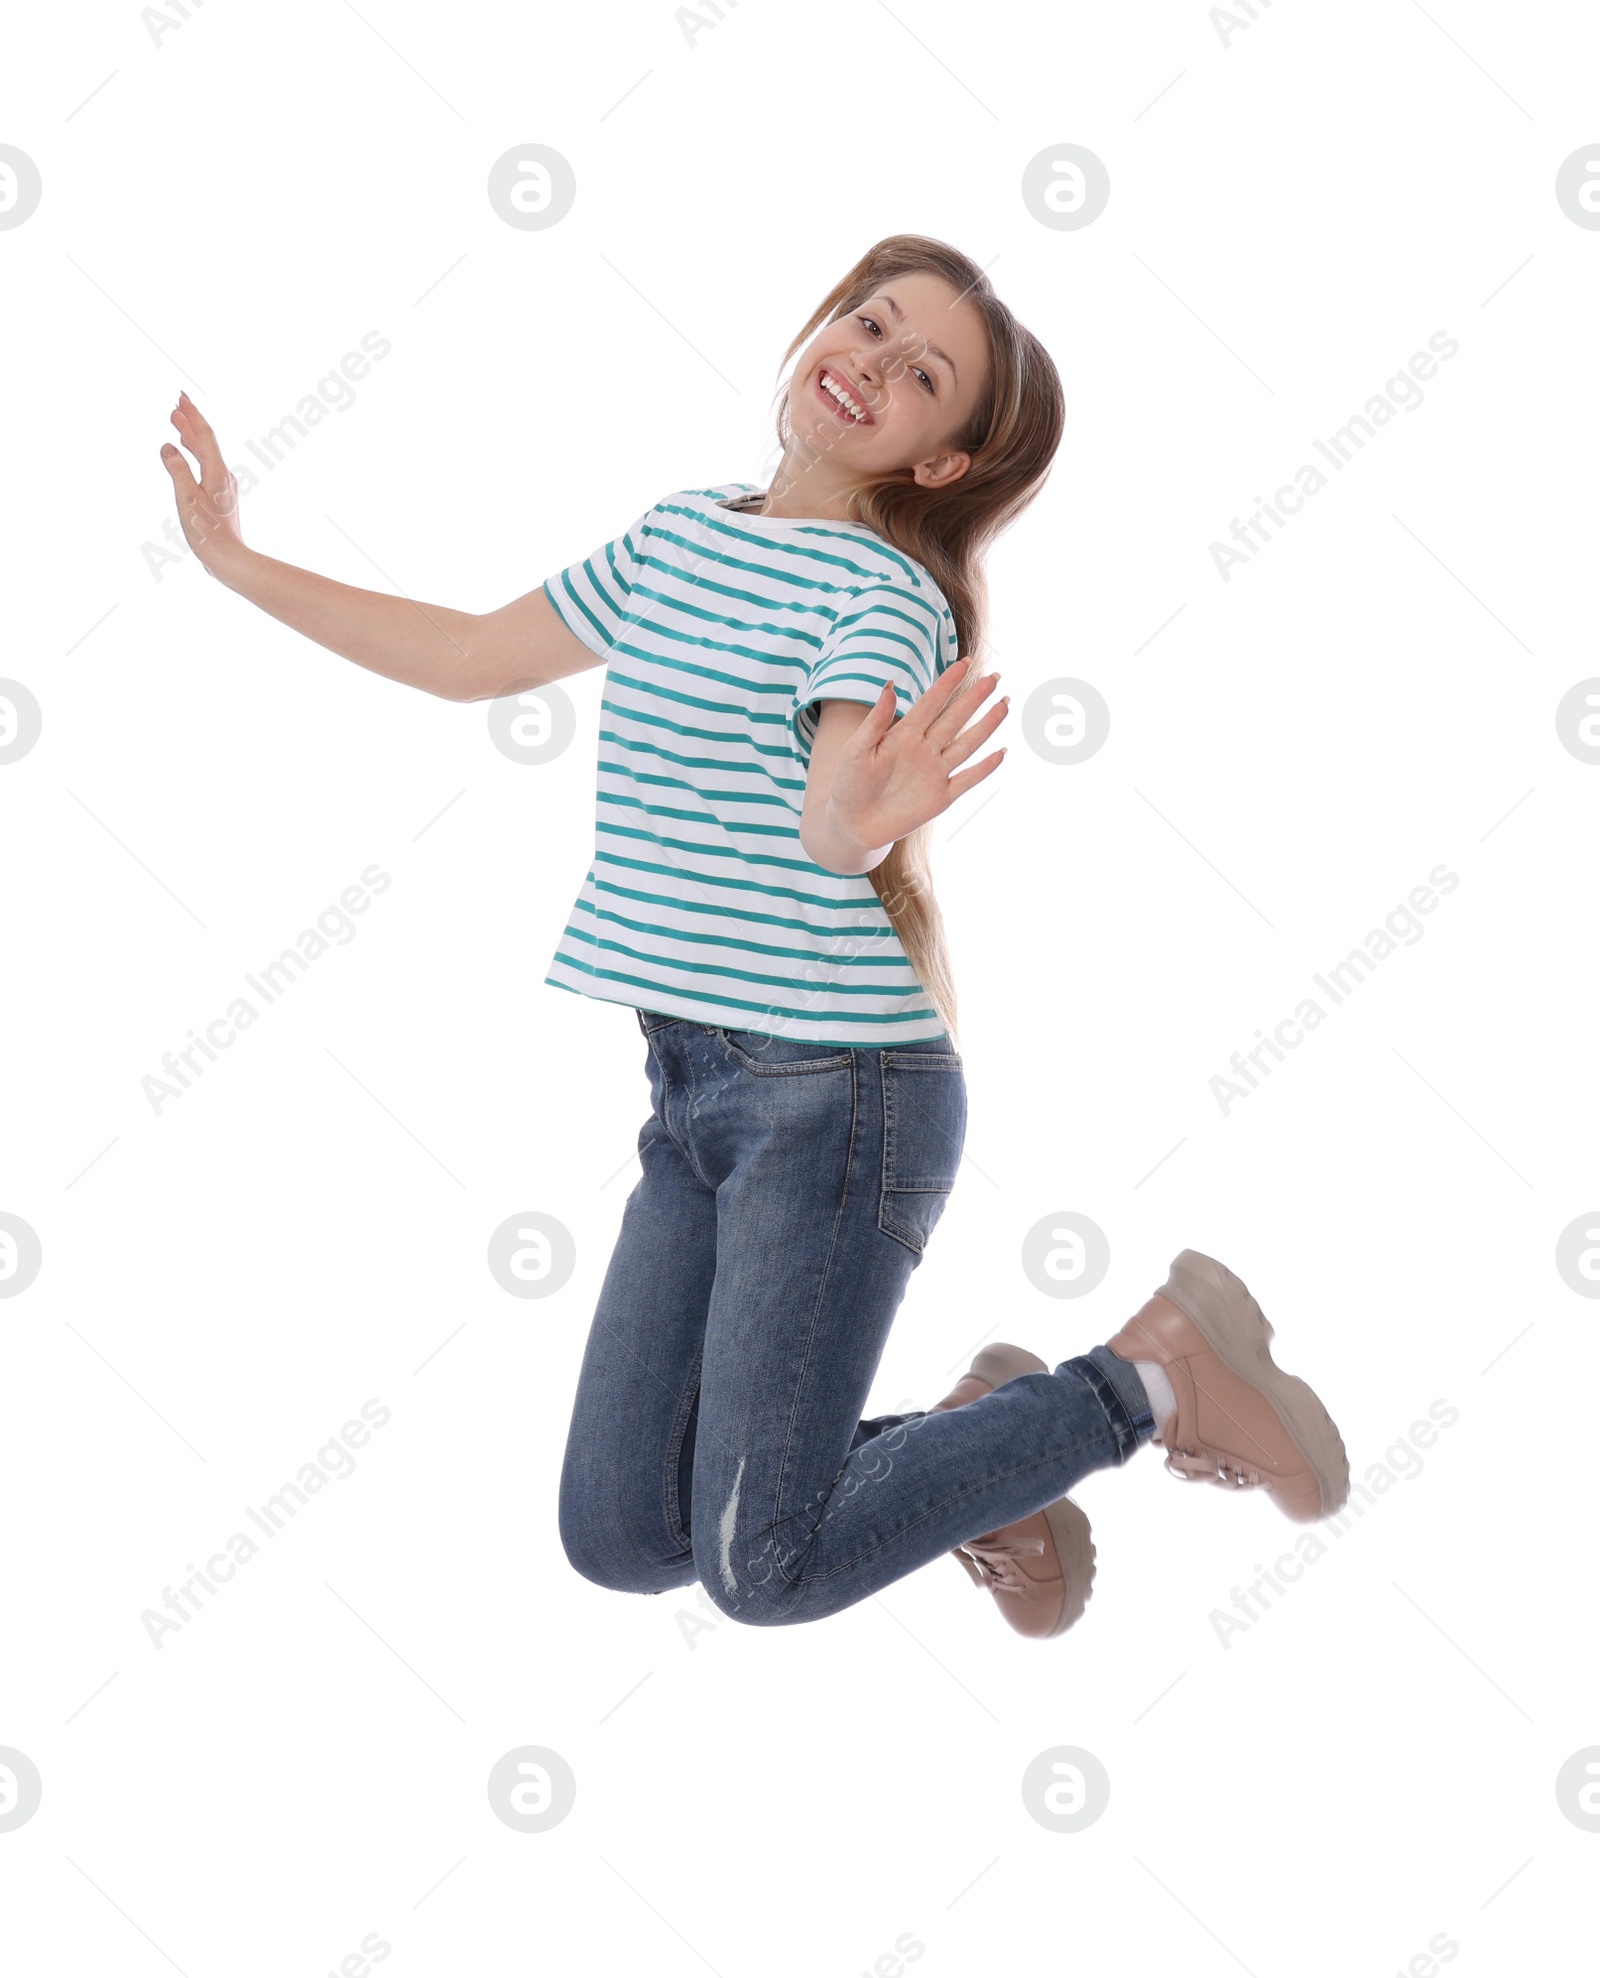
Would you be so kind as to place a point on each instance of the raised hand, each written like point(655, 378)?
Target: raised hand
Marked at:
point(208, 508)
point(891, 775)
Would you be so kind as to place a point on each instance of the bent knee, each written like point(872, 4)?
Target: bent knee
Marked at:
point(755, 1593)
point(622, 1562)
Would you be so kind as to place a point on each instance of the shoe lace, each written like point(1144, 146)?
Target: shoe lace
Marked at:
point(992, 1562)
point(1198, 1466)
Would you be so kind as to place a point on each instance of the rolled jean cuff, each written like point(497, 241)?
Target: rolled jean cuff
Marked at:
point(1121, 1393)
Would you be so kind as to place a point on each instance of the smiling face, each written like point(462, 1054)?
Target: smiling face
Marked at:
point(885, 387)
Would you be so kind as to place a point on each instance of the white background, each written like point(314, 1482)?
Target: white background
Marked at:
point(1294, 211)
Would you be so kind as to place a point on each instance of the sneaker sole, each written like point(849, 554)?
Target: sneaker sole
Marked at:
point(1069, 1527)
point(1238, 1332)
point(1075, 1549)
point(999, 1363)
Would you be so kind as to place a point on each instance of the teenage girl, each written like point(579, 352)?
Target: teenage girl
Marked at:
point(784, 713)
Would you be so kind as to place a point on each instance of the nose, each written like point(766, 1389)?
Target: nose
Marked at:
point(866, 371)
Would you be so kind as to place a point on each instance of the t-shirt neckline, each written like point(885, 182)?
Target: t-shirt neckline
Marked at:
point(785, 521)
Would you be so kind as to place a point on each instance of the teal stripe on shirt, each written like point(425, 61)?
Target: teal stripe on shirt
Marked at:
point(721, 634)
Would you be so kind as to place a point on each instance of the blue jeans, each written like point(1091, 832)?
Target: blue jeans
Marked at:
point(789, 1190)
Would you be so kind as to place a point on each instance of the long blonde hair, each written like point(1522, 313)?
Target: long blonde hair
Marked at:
point(1012, 436)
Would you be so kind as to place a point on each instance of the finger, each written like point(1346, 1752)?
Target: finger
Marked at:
point(956, 702)
point(177, 466)
point(949, 720)
point(198, 436)
point(878, 718)
point(928, 704)
point(184, 432)
point(970, 778)
point(974, 737)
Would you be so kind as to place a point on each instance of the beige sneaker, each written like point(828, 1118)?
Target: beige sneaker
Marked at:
point(1043, 1597)
point(1240, 1420)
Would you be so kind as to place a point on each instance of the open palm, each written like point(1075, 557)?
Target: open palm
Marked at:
point(892, 776)
point(208, 507)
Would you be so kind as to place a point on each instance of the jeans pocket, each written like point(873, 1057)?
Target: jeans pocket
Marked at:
point(777, 1057)
point(924, 1130)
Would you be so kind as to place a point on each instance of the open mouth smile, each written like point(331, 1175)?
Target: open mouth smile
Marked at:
point(840, 399)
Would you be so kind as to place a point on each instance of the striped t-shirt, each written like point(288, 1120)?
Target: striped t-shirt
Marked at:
point(721, 631)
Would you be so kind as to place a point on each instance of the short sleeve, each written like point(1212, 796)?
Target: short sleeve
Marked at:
point(890, 632)
point(592, 597)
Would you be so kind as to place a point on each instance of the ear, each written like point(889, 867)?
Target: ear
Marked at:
point(941, 470)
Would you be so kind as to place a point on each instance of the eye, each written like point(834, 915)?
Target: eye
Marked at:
point(922, 376)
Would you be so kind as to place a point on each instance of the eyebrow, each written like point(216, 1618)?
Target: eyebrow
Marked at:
point(932, 349)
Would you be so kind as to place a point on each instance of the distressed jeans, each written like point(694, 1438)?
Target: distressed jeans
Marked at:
point(788, 1192)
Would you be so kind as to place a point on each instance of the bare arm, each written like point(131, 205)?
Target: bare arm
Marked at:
point(872, 779)
point(458, 655)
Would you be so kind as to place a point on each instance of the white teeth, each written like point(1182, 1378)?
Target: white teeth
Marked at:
point(844, 399)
